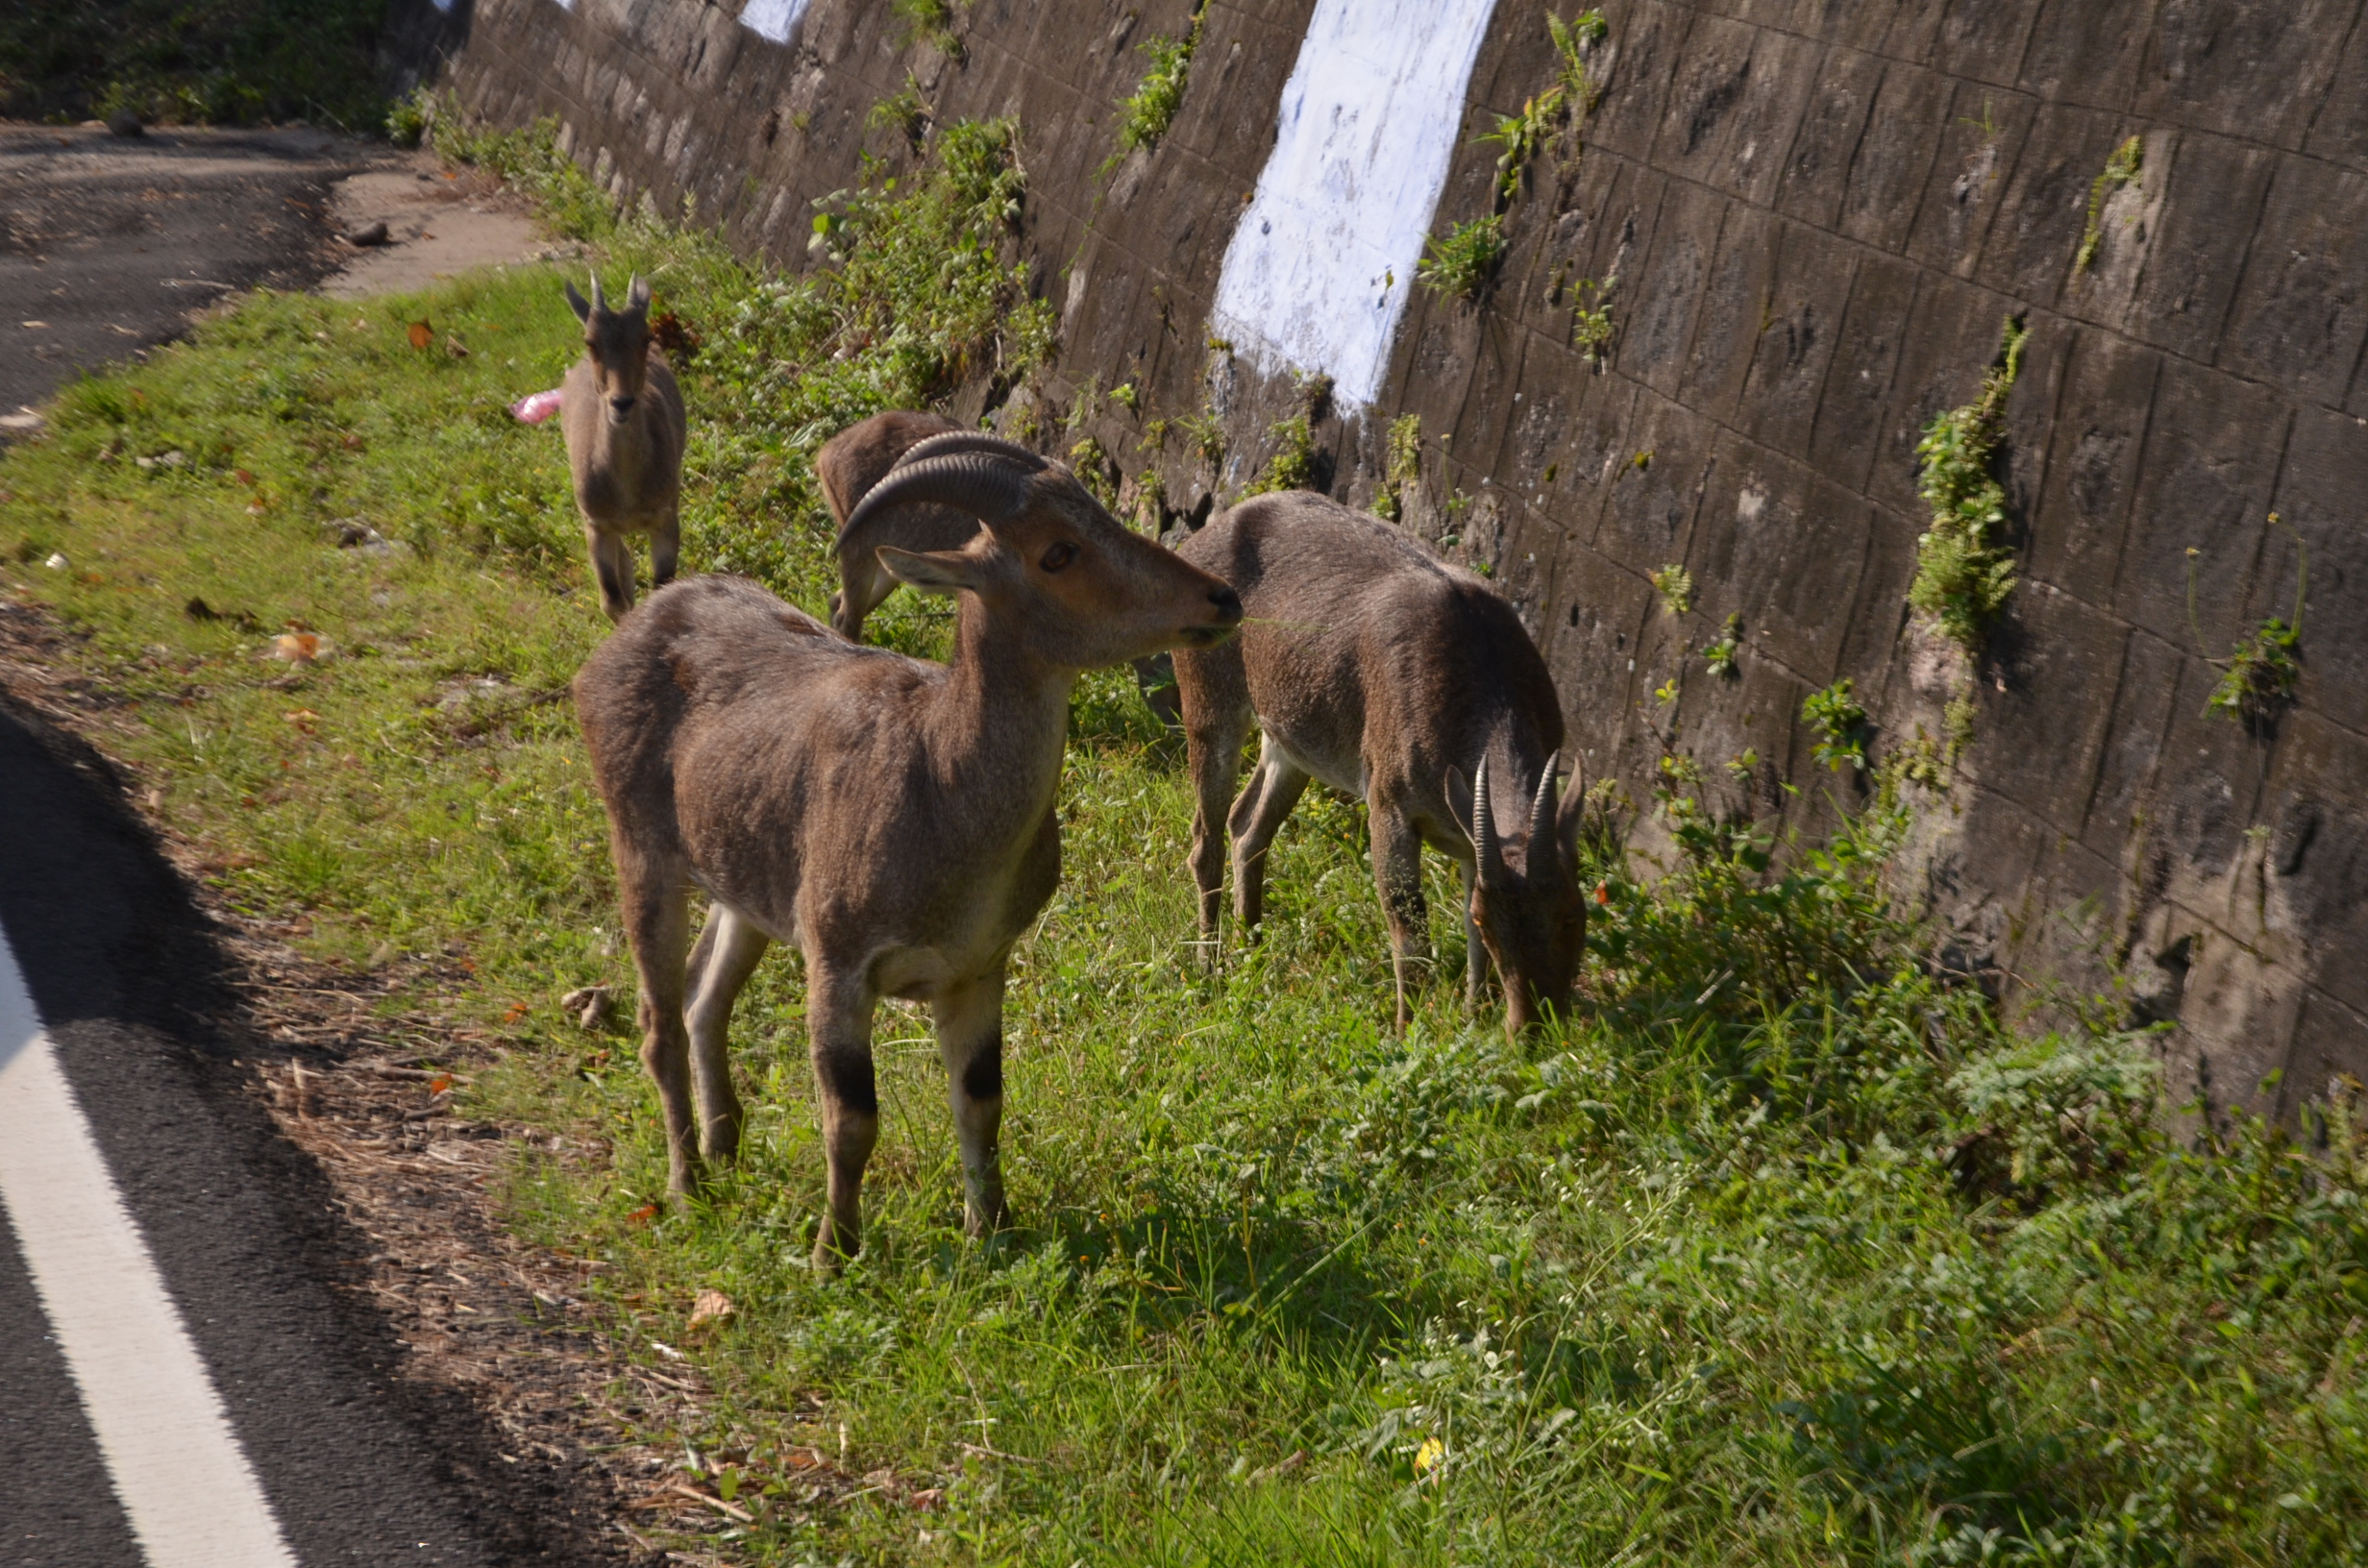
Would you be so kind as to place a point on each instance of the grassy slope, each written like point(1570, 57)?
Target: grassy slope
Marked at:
point(1786, 1255)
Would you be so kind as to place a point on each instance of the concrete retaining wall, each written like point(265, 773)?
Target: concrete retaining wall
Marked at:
point(1819, 213)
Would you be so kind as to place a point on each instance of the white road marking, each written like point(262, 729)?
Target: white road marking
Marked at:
point(1320, 265)
point(192, 1497)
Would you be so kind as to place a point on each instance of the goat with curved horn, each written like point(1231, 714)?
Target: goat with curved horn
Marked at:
point(848, 465)
point(893, 819)
point(622, 413)
point(1372, 663)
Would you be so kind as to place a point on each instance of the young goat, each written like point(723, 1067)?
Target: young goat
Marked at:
point(1373, 665)
point(892, 819)
point(623, 416)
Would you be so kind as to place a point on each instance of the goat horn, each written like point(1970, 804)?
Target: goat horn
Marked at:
point(952, 442)
point(598, 304)
point(990, 489)
point(1541, 811)
point(1483, 821)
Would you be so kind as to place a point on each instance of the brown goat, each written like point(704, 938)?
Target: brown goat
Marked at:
point(1369, 663)
point(623, 416)
point(892, 818)
point(848, 466)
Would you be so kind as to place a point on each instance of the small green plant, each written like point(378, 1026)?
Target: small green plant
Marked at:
point(1956, 725)
point(2256, 679)
point(1145, 114)
point(1675, 586)
point(1459, 265)
point(930, 21)
point(1590, 323)
point(1154, 434)
point(1920, 762)
point(1292, 467)
point(1522, 136)
point(903, 111)
point(1963, 573)
point(1126, 397)
point(1572, 40)
point(2120, 169)
point(1150, 502)
point(1841, 726)
point(1095, 471)
point(1401, 466)
point(1206, 433)
point(409, 121)
point(1720, 654)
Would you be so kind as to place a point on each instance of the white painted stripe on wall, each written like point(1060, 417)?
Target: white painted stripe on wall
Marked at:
point(772, 20)
point(1317, 272)
point(192, 1497)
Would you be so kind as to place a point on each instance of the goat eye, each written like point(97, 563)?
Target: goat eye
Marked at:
point(1058, 556)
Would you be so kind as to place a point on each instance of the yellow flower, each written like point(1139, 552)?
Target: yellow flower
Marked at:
point(1429, 1453)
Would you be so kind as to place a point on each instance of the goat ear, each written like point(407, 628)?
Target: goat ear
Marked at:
point(637, 293)
point(1571, 813)
point(932, 572)
point(1459, 799)
point(582, 307)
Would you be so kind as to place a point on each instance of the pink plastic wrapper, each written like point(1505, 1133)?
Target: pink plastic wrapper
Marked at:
point(536, 406)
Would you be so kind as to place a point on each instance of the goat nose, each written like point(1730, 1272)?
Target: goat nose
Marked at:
point(1229, 604)
point(623, 405)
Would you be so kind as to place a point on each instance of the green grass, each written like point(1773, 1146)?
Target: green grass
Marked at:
point(1145, 114)
point(1786, 1252)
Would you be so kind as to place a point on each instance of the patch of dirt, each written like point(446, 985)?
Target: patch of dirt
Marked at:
point(424, 223)
point(502, 1328)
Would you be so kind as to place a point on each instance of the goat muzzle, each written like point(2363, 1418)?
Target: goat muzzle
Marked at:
point(620, 408)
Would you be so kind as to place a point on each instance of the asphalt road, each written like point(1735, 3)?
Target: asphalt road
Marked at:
point(108, 244)
point(126, 980)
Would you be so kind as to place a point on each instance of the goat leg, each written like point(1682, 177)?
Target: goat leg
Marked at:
point(728, 951)
point(1397, 875)
point(1215, 698)
point(612, 565)
point(839, 1020)
point(665, 548)
point(1276, 785)
point(658, 923)
point(970, 1042)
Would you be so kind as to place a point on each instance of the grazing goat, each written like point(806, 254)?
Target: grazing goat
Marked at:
point(1369, 663)
point(892, 818)
point(623, 416)
point(848, 466)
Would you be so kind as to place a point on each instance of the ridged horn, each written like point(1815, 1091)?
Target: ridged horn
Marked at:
point(951, 443)
point(1541, 811)
point(598, 304)
point(1484, 846)
point(991, 489)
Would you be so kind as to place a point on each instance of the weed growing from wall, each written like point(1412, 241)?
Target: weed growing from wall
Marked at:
point(1459, 264)
point(1145, 114)
point(903, 111)
point(1401, 466)
point(1721, 655)
point(2257, 677)
point(1292, 467)
point(1841, 726)
point(1675, 586)
point(1590, 323)
point(2120, 169)
point(1572, 40)
point(1962, 572)
point(930, 21)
